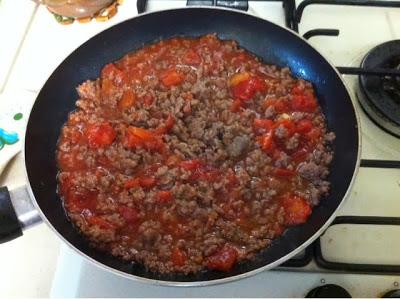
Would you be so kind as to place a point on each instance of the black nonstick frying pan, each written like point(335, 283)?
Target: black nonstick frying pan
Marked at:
point(270, 42)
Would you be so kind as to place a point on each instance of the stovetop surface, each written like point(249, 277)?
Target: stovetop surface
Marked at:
point(375, 193)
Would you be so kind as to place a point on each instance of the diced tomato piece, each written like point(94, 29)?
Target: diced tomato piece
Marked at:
point(190, 164)
point(132, 183)
point(143, 134)
point(297, 90)
point(267, 142)
point(223, 260)
point(115, 75)
point(147, 182)
point(304, 126)
point(246, 89)
point(284, 172)
point(131, 215)
point(144, 182)
point(100, 135)
point(109, 70)
point(304, 103)
point(280, 105)
point(178, 257)
point(265, 124)
point(297, 210)
point(172, 160)
point(172, 78)
point(236, 105)
point(111, 79)
point(139, 137)
point(169, 123)
point(148, 100)
point(107, 87)
point(128, 100)
point(164, 197)
point(238, 78)
point(133, 141)
point(192, 58)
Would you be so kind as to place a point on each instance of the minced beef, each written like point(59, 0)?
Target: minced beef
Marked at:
point(192, 154)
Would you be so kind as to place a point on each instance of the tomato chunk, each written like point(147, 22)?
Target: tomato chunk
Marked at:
point(114, 74)
point(147, 182)
point(172, 160)
point(169, 123)
point(178, 257)
point(284, 172)
point(304, 103)
point(190, 164)
point(265, 124)
point(148, 100)
point(171, 78)
point(128, 100)
point(297, 210)
point(246, 89)
point(131, 215)
point(304, 126)
point(100, 135)
point(267, 142)
point(236, 105)
point(223, 260)
point(238, 78)
point(192, 58)
point(139, 137)
point(164, 197)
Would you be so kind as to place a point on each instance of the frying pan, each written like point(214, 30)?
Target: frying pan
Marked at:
point(272, 43)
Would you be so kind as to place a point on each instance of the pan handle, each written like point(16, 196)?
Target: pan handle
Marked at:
point(17, 213)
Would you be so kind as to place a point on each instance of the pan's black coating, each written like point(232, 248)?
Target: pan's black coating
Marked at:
point(270, 42)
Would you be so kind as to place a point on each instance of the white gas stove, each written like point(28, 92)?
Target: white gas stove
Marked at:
point(359, 252)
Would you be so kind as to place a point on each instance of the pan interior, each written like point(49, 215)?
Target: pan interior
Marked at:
point(270, 42)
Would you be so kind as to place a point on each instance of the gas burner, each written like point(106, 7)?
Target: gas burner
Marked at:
point(392, 294)
point(380, 96)
point(328, 291)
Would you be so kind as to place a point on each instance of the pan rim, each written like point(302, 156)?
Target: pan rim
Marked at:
point(219, 280)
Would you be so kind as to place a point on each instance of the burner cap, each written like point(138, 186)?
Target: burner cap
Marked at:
point(328, 291)
point(380, 96)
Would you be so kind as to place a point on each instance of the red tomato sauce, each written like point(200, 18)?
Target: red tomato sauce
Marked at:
point(192, 154)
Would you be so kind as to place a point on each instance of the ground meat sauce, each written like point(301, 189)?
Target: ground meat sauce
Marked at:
point(192, 154)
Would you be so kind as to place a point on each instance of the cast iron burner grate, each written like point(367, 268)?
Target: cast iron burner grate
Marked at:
point(380, 96)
